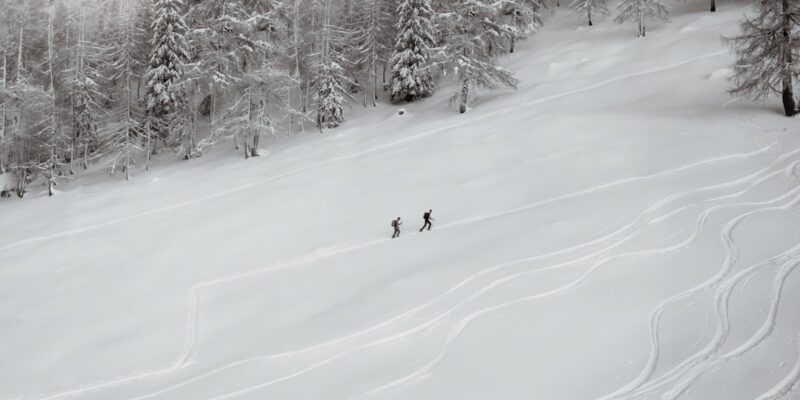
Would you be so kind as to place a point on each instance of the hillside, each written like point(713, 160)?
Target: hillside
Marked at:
point(618, 227)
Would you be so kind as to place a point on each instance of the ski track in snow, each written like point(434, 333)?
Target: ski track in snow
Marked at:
point(462, 325)
point(442, 315)
point(636, 386)
point(194, 295)
point(766, 329)
point(695, 364)
point(788, 384)
point(730, 259)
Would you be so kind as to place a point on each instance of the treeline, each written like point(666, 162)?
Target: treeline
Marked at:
point(120, 80)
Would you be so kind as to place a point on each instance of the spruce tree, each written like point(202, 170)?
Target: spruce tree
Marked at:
point(330, 96)
point(85, 91)
point(126, 132)
point(525, 17)
point(412, 76)
point(374, 44)
point(767, 53)
point(472, 35)
point(590, 8)
point(165, 96)
point(330, 79)
point(641, 11)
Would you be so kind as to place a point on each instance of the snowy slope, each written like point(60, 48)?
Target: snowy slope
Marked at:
point(616, 228)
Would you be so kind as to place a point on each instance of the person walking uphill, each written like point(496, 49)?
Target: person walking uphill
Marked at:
point(427, 217)
point(396, 224)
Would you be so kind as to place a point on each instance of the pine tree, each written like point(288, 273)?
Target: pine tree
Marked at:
point(84, 92)
point(53, 140)
point(767, 53)
point(641, 11)
point(165, 96)
point(374, 43)
point(124, 134)
point(412, 75)
point(473, 38)
point(590, 8)
point(330, 96)
point(144, 45)
point(330, 79)
point(525, 17)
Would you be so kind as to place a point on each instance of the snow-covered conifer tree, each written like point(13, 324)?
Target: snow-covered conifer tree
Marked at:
point(767, 52)
point(372, 35)
point(640, 11)
point(525, 17)
point(330, 96)
point(125, 133)
point(165, 95)
point(412, 75)
point(472, 39)
point(590, 8)
point(330, 77)
point(144, 44)
point(54, 140)
point(85, 91)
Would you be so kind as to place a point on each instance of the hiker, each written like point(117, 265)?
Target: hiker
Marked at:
point(396, 224)
point(427, 217)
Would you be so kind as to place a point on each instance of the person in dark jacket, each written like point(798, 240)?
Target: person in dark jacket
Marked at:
point(427, 217)
point(396, 224)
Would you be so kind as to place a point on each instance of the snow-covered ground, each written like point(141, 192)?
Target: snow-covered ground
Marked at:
point(616, 228)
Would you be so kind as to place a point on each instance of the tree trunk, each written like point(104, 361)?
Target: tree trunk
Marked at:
point(254, 147)
point(147, 150)
point(86, 156)
point(385, 86)
point(3, 117)
point(641, 25)
point(713, 5)
point(374, 84)
point(464, 96)
point(789, 105)
point(21, 182)
point(213, 107)
point(366, 92)
point(589, 11)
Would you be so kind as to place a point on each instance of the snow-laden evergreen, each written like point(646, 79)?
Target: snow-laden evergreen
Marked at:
point(641, 11)
point(472, 37)
point(589, 9)
point(85, 86)
point(525, 17)
point(165, 94)
point(768, 53)
point(330, 96)
point(331, 81)
point(125, 135)
point(373, 35)
point(412, 74)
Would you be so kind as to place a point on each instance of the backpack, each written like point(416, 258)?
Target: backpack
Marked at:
point(394, 223)
point(426, 216)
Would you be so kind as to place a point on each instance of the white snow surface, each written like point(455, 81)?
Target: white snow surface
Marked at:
point(617, 228)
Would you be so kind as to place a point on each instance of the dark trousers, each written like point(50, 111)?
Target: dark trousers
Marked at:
point(396, 233)
point(428, 224)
